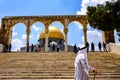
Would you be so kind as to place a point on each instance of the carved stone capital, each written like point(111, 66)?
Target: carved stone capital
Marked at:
point(65, 30)
point(84, 29)
point(46, 30)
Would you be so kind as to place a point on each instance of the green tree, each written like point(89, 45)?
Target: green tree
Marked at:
point(105, 17)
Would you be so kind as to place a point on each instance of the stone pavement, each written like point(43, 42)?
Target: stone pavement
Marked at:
point(69, 79)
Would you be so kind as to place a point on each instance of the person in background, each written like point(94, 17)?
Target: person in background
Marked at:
point(75, 49)
point(104, 47)
point(99, 46)
point(92, 47)
point(9, 46)
point(87, 45)
point(32, 48)
point(37, 47)
point(58, 47)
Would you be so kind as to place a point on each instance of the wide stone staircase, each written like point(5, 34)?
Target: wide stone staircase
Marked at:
point(55, 65)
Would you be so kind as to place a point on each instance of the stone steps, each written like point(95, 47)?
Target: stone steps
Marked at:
point(105, 75)
point(46, 73)
point(55, 65)
point(49, 73)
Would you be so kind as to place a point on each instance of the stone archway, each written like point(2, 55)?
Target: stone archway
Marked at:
point(9, 21)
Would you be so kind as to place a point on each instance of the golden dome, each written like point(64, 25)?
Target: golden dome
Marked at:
point(54, 32)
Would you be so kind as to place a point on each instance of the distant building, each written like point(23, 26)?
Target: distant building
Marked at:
point(55, 38)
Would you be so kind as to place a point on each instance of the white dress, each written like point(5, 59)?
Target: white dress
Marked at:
point(81, 65)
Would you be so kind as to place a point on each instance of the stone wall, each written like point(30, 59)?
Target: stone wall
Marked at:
point(1, 36)
point(112, 47)
point(1, 47)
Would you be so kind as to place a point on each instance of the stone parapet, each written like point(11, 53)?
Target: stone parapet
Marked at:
point(112, 47)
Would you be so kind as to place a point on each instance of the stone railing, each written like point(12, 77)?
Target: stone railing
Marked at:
point(112, 47)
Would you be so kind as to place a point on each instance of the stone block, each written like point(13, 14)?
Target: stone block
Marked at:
point(1, 48)
point(112, 47)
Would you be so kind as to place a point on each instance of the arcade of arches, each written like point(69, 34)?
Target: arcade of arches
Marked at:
point(9, 21)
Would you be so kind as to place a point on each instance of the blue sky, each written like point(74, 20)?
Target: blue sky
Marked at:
point(49, 7)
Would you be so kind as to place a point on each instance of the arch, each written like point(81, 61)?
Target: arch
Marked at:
point(18, 37)
point(59, 21)
point(75, 27)
point(65, 20)
point(36, 21)
point(19, 22)
point(36, 27)
point(78, 21)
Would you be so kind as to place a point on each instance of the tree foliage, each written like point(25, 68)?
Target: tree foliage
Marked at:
point(105, 17)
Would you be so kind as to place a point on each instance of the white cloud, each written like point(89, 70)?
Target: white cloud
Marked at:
point(81, 45)
point(78, 25)
point(94, 36)
point(14, 33)
point(17, 43)
point(86, 3)
point(116, 37)
point(88, 26)
point(31, 36)
point(36, 28)
point(24, 36)
point(38, 36)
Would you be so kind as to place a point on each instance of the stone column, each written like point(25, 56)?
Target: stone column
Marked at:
point(27, 39)
point(5, 33)
point(10, 39)
point(46, 40)
point(3, 30)
point(85, 35)
point(66, 45)
point(10, 36)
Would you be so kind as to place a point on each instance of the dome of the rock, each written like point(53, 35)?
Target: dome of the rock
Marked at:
point(54, 33)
